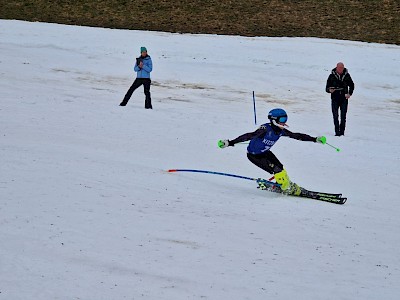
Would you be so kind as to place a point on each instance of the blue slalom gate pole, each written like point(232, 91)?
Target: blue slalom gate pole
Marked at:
point(211, 172)
point(223, 174)
point(254, 108)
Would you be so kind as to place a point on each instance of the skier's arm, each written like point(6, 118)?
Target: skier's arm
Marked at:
point(299, 136)
point(136, 68)
point(350, 84)
point(329, 84)
point(148, 66)
point(248, 136)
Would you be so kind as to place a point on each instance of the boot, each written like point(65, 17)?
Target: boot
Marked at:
point(283, 179)
point(288, 187)
point(294, 189)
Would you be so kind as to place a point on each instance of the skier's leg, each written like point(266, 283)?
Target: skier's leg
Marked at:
point(129, 93)
point(146, 85)
point(283, 179)
point(287, 186)
point(266, 161)
point(343, 112)
point(335, 114)
point(280, 174)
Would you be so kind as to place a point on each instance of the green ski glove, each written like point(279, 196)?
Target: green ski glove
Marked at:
point(223, 143)
point(321, 140)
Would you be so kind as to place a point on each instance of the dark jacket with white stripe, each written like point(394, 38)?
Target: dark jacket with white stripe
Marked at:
point(343, 84)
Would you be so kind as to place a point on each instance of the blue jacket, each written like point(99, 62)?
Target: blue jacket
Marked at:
point(266, 136)
point(147, 67)
point(264, 142)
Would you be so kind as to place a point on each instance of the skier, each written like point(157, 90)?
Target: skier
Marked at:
point(262, 140)
point(143, 67)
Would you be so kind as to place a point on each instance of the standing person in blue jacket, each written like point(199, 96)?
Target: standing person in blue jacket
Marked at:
point(340, 85)
point(143, 67)
point(261, 142)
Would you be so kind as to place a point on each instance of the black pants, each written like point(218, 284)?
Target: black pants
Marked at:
point(342, 104)
point(146, 82)
point(266, 161)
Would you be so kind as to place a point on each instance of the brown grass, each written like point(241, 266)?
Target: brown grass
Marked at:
point(368, 20)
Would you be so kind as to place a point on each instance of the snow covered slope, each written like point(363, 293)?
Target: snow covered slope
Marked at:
point(88, 211)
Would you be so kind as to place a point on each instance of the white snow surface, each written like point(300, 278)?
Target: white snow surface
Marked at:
point(88, 211)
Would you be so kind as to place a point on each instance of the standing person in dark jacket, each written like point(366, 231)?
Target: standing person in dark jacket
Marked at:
point(261, 142)
point(341, 87)
point(143, 67)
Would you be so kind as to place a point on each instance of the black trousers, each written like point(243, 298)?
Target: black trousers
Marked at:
point(339, 104)
point(266, 161)
point(146, 82)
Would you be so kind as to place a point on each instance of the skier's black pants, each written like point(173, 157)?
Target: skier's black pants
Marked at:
point(266, 161)
point(146, 82)
point(342, 104)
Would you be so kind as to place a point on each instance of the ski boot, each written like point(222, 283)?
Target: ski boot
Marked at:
point(288, 187)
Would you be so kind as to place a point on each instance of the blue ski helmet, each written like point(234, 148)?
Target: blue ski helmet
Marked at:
point(278, 115)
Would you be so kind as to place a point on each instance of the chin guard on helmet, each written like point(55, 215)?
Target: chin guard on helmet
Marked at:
point(278, 117)
point(280, 125)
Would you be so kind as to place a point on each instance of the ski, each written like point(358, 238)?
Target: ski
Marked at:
point(274, 187)
point(327, 197)
point(304, 193)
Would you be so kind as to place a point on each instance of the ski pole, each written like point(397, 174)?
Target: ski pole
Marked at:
point(322, 140)
point(211, 172)
point(337, 149)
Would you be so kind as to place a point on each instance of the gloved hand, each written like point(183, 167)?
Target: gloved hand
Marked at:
point(224, 143)
point(321, 140)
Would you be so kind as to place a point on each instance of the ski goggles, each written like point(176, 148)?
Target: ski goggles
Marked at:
point(282, 119)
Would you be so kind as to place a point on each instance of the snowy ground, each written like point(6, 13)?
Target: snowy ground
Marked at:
point(87, 210)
